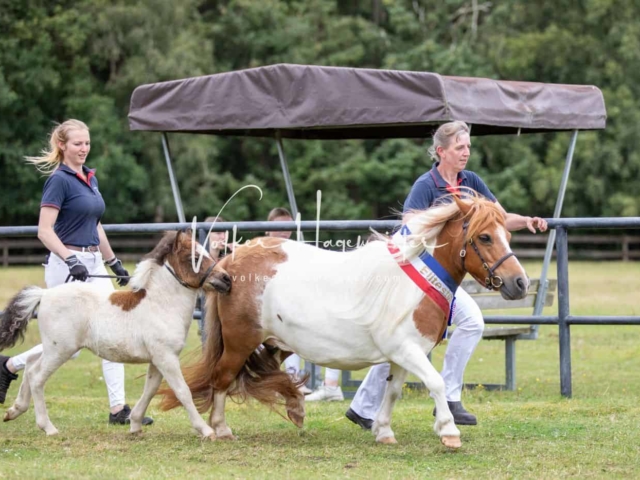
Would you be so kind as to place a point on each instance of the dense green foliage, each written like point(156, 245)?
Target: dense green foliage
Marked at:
point(83, 58)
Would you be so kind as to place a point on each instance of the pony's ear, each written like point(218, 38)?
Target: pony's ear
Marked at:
point(163, 248)
point(465, 207)
point(176, 241)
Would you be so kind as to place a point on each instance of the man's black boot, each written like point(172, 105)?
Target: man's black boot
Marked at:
point(358, 420)
point(460, 414)
point(122, 417)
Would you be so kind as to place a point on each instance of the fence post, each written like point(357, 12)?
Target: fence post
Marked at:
point(625, 248)
point(510, 363)
point(5, 254)
point(564, 334)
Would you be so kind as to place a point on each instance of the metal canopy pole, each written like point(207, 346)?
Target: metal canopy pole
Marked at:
point(172, 178)
point(564, 329)
point(544, 282)
point(310, 368)
point(287, 177)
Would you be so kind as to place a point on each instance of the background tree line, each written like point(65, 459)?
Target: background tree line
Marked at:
point(83, 58)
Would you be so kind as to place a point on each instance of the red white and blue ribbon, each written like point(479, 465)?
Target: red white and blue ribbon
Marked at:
point(427, 273)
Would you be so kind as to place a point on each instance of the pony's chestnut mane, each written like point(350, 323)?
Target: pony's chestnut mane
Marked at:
point(427, 224)
point(483, 212)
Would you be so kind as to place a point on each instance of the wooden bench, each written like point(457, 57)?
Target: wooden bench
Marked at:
point(489, 300)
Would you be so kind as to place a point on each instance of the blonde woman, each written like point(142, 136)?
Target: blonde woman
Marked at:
point(69, 226)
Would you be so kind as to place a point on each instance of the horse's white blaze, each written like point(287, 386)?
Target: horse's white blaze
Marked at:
point(502, 237)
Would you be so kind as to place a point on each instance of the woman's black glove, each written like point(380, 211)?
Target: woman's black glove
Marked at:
point(77, 270)
point(116, 267)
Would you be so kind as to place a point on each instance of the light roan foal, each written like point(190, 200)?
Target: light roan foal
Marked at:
point(148, 324)
point(347, 311)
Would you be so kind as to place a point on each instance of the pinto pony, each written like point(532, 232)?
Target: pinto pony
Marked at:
point(148, 324)
point(347, 311)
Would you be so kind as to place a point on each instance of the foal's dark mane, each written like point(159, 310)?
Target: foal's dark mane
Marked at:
point(163, 249)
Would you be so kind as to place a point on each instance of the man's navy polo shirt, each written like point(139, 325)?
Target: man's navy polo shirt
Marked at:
point(431, 186)
point(79, 203)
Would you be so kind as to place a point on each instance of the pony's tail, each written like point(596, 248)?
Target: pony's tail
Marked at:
point(262, 379)
point(16, 316)
point(260, 376)
point(199, 375)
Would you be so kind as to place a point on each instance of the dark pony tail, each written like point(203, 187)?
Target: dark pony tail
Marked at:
point(260, 377)
point(16, 316)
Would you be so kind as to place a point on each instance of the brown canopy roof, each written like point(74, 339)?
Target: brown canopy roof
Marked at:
point(304, 101)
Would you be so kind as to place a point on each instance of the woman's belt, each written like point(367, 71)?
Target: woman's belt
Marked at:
point(90, 248)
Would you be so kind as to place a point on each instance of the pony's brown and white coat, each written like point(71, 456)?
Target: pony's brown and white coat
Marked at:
point(146, 325)
point(343, 310)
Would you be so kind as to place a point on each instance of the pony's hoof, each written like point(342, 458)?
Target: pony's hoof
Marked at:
point(52, 432)
point(297, 419)
point(136, 433)
point(12, 413)
point(450, 441)
point(228, 437)
point(387, 440)
point(211, 437)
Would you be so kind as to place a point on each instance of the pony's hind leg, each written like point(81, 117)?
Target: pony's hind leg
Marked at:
point(382, 426)
point(23, 399)
point(225, 373)
point(169, 366)
point(154, 378)
point(415, 361)
point(217, 418)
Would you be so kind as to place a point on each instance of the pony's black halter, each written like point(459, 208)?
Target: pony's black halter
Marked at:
point(493, 281)
point(185, 284)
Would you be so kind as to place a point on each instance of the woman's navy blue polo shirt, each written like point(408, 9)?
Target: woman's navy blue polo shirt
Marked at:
point(431, 186)
point(80, 205)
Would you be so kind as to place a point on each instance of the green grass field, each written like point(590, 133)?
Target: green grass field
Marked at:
point(530, 433)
